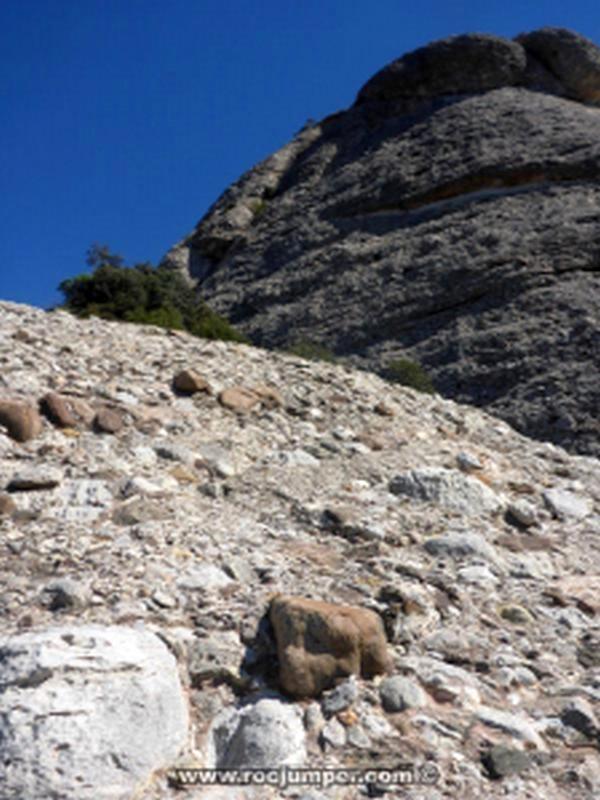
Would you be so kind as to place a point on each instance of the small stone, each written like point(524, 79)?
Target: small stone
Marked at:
point(447, 488)
point(523, 512)
point(189, 382)
point(333, 734)
point(460, 545)
point(567, 505)
point(107, 420)
point(468, 462)
point(63, 595)
point(516, 614)
point(511, 724)
point(503, 761)
point(21, 420)
point(357, 737)
point(313, 717)
point(7, 505)
point(57, 409)
point(270, 397)
point(340, 698)
point(384, 410)
point(579, 714)
point(204, 577)
point(239, 399)
point(140, 486)
point(163, 600)
point(216, 656)
point(258, 736)
point(35, 479)
point(582, 590)
point(399, 693)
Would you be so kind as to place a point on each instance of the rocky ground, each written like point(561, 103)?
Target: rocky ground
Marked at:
point(145, 530)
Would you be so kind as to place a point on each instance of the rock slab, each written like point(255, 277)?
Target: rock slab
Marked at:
point(87, 712)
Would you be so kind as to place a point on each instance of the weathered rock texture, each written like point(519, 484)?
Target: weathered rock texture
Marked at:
point(449, 216)
point(319, 643)
point(87, 711)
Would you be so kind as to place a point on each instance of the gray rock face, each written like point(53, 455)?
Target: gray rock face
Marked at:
point(449, 217)
point(87, 712)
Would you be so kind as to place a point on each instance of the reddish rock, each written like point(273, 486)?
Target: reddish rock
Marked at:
point(82, 410)
point(7, 505)
point(189, 382)
point(318, 643)
point(580, 590)
point(20, 419)
point(58, 410)
point(269, 396)
point(239, 399)
point(107, 420)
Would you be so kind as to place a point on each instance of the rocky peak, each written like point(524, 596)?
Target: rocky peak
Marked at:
point(553, 60)
point(449, 217)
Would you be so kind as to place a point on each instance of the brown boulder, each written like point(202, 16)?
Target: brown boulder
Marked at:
point(239, 399)
point(269, 396)
point(58, 410)
point(107, 420)
point(7, 505)
point(189, 382)
point(20, 419)
point(318, 643)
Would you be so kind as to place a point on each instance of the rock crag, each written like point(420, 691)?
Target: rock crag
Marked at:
point(449, 216)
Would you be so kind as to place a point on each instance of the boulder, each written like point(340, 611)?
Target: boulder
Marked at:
point(21, 420)
point(87, 712)
point(572, 58)
point(447, 488)
point(187, 381)
point(240, 399)
point(319, 643)
point(266, 734)
point(108, 420)
point(453, 66)
point(58, 410)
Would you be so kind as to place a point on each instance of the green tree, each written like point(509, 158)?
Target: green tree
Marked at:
point(142, 294)
point(409, 373)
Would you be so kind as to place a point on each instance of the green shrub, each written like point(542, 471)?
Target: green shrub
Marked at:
point(312, 351)
point(409, 373)
point(142, 294)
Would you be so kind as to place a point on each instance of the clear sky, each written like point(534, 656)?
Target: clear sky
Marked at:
point(121, 121)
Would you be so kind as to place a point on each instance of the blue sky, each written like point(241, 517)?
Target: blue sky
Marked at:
point(123, 120)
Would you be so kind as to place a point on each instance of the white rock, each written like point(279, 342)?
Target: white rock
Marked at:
point(512, 724)
point(460, 545)
point(269, 733)
point(447, 488)
point(567, 505)
point(81, 500)
point(87, 712)
point(204, 576)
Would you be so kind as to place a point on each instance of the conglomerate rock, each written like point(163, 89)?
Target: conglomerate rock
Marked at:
point(449, 216)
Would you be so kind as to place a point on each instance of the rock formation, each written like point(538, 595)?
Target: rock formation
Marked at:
point(449, 216)
point(140, 566)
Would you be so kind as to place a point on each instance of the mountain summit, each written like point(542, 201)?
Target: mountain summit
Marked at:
point(451, 216)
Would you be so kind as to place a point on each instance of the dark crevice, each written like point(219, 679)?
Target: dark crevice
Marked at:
point(469, 187)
